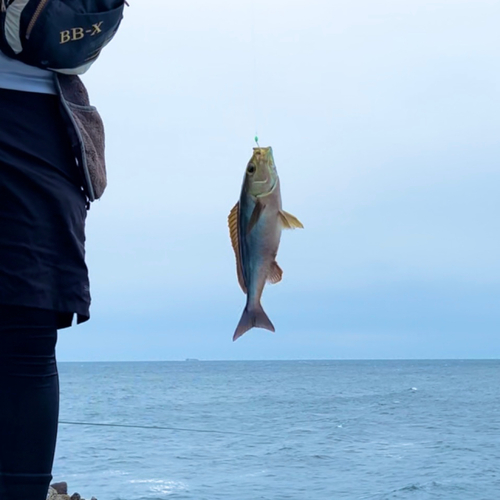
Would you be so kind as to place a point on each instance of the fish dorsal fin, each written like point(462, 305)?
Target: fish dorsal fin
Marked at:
point(289, 221)
point(275, 273)
point(254, 218)
point(232, 222)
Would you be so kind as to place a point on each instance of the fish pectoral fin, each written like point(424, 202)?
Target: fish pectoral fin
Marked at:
point(254, 218)
point(275, 273)
point(289, 221)
point(232, 222)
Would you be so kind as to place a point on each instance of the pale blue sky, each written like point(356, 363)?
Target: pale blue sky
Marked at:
point(384, 117)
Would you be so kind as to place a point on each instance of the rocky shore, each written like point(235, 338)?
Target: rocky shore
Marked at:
point(59, 491)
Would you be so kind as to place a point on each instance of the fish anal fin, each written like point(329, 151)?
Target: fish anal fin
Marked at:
point(289, 221)
point(232, 222)
point(254, 218)
point(275, 273)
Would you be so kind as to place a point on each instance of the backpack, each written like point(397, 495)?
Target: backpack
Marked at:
point(65, 36)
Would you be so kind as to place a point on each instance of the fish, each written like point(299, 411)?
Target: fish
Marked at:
point(255, 225)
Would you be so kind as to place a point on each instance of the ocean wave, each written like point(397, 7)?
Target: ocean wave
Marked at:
point(162, 486)
point(415, 490)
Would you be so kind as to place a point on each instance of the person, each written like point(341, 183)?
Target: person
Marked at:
point(44, 283)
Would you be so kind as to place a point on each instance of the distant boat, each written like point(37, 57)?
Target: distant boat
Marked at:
point(192, 359)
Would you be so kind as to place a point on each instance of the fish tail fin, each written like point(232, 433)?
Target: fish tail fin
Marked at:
point(252, 317)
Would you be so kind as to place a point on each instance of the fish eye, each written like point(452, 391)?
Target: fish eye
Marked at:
point(250, 169)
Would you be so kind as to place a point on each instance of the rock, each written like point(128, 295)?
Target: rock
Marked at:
point(61, 488)
point(59, 491)
point(52, 495)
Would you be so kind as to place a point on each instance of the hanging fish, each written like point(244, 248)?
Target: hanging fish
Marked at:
point(255, 225)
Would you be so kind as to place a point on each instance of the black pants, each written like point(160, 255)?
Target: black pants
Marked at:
point(29, 401)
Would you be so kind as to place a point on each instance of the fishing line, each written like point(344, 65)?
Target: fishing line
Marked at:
point(254, 76)
point(157, 427)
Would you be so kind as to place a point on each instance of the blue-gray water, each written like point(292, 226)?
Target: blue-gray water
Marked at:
point(319, 430)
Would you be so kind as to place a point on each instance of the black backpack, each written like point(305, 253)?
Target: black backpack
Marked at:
point(66, 36)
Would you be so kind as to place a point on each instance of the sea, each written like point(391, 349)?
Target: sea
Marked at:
point(280, 430)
